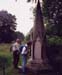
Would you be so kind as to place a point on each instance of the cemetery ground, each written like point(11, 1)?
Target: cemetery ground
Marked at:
point(5, 53)
point(9, 70)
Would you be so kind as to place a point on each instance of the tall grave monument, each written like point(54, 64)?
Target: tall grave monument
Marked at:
point(38, 38)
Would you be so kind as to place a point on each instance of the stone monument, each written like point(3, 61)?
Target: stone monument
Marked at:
point(38, 37)
point(38, 61)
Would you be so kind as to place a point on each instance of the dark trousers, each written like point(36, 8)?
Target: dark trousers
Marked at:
point(15, 58)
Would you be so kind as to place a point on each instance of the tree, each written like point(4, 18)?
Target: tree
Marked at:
point(19, 35)
point(27, 37)
point(7, 26)
point(53, 12)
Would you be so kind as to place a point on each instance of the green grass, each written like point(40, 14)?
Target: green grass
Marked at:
point(5, 53)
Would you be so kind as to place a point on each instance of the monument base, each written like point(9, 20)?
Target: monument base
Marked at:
point(38, 61)
point(38, 66)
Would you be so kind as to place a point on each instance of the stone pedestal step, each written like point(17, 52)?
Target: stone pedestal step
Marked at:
point(36, 69)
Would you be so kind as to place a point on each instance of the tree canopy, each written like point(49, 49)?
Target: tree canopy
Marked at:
point(7, 26)
point(19, 35)
point(53, 12)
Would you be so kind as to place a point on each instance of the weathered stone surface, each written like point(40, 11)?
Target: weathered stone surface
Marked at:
point(38, 37)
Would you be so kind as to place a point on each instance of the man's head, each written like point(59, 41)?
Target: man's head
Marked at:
point(18, 40)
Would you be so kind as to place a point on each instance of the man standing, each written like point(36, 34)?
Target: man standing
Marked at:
point(16, 52)
point(24, 51)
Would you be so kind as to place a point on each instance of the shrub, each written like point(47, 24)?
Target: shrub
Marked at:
point(54, 40)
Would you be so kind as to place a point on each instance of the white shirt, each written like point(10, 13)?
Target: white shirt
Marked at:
point(15, 46)
point(24, 51)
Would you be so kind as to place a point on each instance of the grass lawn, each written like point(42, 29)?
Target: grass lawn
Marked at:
point(5, 53)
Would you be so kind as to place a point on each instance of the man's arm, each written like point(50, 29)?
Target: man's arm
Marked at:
point(23, 50)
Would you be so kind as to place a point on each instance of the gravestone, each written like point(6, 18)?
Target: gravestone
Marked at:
point(38, 37)
point(38, 59)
